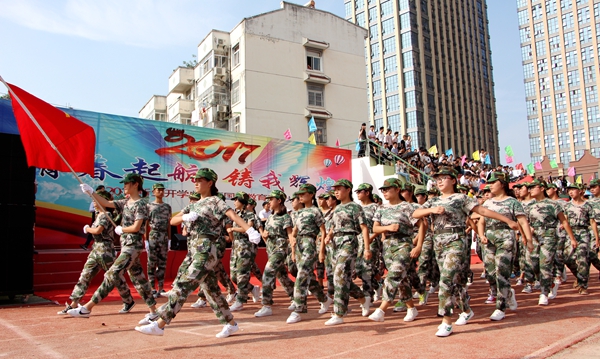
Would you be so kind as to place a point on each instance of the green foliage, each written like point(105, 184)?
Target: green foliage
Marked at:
point(192, 63)
point(5, 97)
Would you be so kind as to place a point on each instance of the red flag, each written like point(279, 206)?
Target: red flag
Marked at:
point(287, 134)
point(337, 143)
point(75, 140)
point(519, 166)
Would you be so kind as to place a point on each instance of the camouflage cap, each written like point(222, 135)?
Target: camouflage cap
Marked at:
point(446, 171)
point(391, 182)
point(343, 182)
point(517, 185)
point(434, 190)
point(241, 196)
point(595, 182)
point(323, 195)
point(251, 201)
point(486, 188)
point(364, 187)
point(206, 173)
point(132, 177)
point(105, 194)
point(461, 188)
point(421, 191)
point(331, 193)
point(221, 196)
point(195, 196)
point(407, 186)
point(551, 185)
point(158, 186)
point(497, 176)
point(376, 197)
point(293, 196)
point(307, 188)
point(575, 186)
point(277, 194)
point(536, 182)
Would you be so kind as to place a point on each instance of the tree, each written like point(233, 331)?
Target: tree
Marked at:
point(5, 96)
point(191, 64)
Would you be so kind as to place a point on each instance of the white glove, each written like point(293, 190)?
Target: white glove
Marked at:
point(253, 235)
point(86, 188)
point(190, 217)
point(119, 230)
point(85, 229)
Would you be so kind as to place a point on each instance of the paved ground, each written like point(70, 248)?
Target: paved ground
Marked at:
point(530, 332)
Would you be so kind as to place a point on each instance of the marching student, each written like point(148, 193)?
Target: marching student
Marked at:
point(158, 231)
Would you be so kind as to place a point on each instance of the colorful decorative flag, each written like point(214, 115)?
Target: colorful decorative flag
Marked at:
point(287, 134)
point(519, 166)
point(337, 143)
point(41, 123)
point(538, 165)
point(579, 179)
point(553, 164)
point(463, 159)
point(475, 156)
point(571, 172)
point(509, 151)
point(530, 168)
point(433, 150)
point(449, 152)
point(357, 146)
point(487, 161)
point(311, 139)
point(509, 159)
point(312, 126)
point(591, 178)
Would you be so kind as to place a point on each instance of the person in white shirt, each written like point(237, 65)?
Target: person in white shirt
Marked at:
point(265, 213)
point(372, 135)
point(381, 135)
point(388, 138)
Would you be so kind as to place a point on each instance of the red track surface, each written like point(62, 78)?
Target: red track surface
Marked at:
point(531, 331)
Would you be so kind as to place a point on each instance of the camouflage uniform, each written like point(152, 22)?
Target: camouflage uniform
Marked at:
point(132, 244)
point(449, 245)
point(257, 225)
point(159, 216)
point(219, 269)
point(289, 263)
point(277, 248)
point(244, 254)
point(102, 257)
point(346, 225)
point(593, 252)
point(396, 248)
point(576, 260)
point(500, 246)
point(366, 269)
point(563, 243)
point(529, 261)
point(329, 252)
point(543, 217)
point(202, 248)
point(308, 222)
point(428, 268)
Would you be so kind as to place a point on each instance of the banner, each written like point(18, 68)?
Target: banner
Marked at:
point(475, 156)
point(538, 166)
point(553, 164)
point(509, 159)
point(433, 150)
point(509, 151)
point(449, 152)
point(571, 172)
point(530, 168)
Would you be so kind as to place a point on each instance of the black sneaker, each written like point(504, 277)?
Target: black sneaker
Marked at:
point(64, 311)
point(83, 247)
point(127, 308)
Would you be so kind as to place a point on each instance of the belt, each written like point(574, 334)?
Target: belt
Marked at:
point(496, 227)
point(544, 228)
point(450, 230)
point(579, 227)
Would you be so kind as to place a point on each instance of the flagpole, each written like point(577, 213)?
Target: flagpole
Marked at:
point(13, 95)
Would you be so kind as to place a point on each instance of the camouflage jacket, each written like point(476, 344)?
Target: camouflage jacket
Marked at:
point(370, 210)
point(508, 207)
point(309, 222)
point(277, 226)
point(595, 203)
point(107, 234)
point(249, 218)
point(132, 211)
point(327, 216)
point(159, 216)
point(543, 213)
point(347, 219)
point(401, 214)
point(578, 215)
point(211, 214)
point(457, 208)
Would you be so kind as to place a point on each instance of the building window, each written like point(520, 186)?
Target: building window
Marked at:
point(577, 117)
point(523, 17)
point(387, 26)
point(235, 58)
point(550, 7)
point(391, 83)
point(392, 103)
point(560, 100)
point(526, 53)
point(536, 11)
point(575, 97)
point(403, 5)
point(378, 123)
point(587, 54)
point(313, 60)
point(546, 103)
point(567, 20)
point(409, 79)
point(583, 15)
point(348, 9)
point(547, 121)
point(387, 8)
point(557, 63)
point(393, 122)
point(531, 107)
point(360, 19)
point(406, 39)
point(595, 134)
point(593, 115)
point(528, 70)
point(562, 120)
point(585, 34)
point(407, 60)
point(521, 3)
point(570, 39)
point(540, 48)
point(410, 100)
point(316, 95)
point(376, 88)
point(389, 45)
point(389, 64)
point(375, 49)
point(542, 66)
point(573, 78)
point(525, 34)
point(321, 133)
point(579, 137)
point(235, 92)
point(533, 125)
point(373, 32)
point(571, 58)
point(591, 94)
point(565, 4)
point(377, 108)
point(554, 43)
point(534, 145)
point(375, 69)
point(559, 83)
point(529, 88)
point(565, 158)
point(549, 142)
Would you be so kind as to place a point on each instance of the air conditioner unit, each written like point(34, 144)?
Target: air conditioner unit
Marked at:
point(222, 108)
point(220, 71)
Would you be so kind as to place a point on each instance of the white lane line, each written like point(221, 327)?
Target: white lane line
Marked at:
point(43, 348)
point(564, 343)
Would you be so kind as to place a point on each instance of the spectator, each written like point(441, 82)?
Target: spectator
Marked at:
point(266, 211)
point(372, 135)
point(381, 135)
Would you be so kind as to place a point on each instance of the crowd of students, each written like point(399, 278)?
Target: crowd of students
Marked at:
point(415, 244)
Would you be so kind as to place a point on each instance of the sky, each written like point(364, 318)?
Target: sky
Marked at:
point(111, 56)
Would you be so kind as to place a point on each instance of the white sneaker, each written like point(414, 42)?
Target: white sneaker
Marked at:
point(377, 316)
point(67, 308)
point(400, 306)
point(200, 303)
point(482, 276)
point(416, 295)
point(554, 291)
point(536, 285)
point(366, 306)
point(150, 329)
point(293, 318)
point(497, 315)
point(231, 298)
point(423, 298)
point(378, 294)
point(255, 293)
point(325, 306)
point(444, 330)
point(564, 274)
point(411, 314)
point(512, 300)
point(79, 312)
point(527, 288)
point(432, 289)
point(148, 319)
point(292, 306)
point(335, 320)
point(265, 311)
point(228, 329)
point(236, 306)
point(464, 318)
point(543, 300)
point(519, 281)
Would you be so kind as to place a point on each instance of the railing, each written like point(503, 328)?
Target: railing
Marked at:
point(376, 151)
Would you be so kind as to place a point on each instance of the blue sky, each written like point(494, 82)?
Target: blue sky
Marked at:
point(113, 55)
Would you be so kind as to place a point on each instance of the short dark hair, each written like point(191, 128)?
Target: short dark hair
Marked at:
point(265, 203)
point(363, 124)
point(99, 188)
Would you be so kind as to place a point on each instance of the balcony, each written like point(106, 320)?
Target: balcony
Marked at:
point(181, 80)
point(316, 77)
point(182, 108)
point(156, 104)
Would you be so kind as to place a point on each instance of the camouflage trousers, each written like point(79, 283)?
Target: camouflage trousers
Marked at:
point(102, 257)
point(577, 259)
point(290, 264)
point(428, 267)
point(306, 255)
point(344, 259)
point(516, 264)
point(320, 266)
point(498, 263)
point(158, 243)
point(128, 260)
point(219, 270)
point(531, 262)
point(245, 255)
point(593, 253)
point(559, 261)
point(199, 272)
point(396, 254)
point(544, 265)
point(450, 254)
point(275, 268)
point(329, 252)
point(366, 268)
